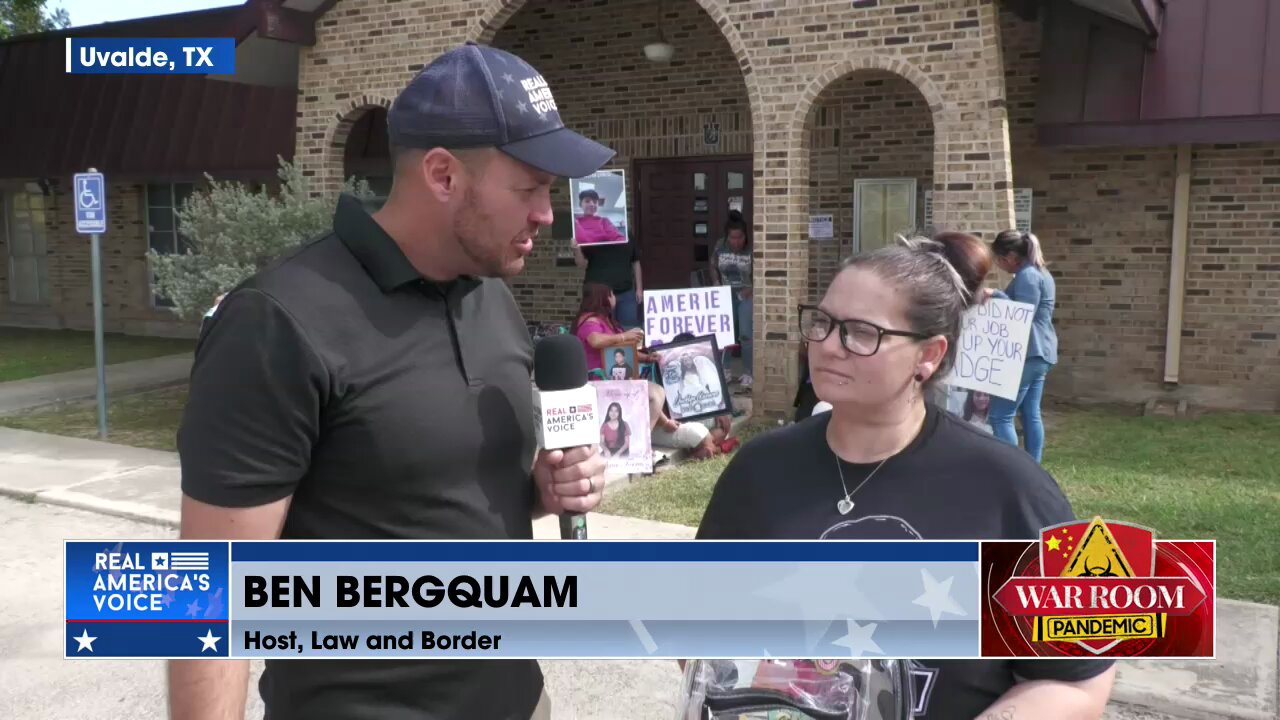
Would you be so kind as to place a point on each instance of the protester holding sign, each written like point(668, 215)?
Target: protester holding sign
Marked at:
point(887, 464)
point(731, 265)
point(1019, 254)
point(597, 328)
point(609, 258)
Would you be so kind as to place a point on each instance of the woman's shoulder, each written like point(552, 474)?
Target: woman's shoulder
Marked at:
point(782, 443)
point(1029, 494)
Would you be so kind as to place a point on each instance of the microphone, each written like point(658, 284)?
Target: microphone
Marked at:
point(566, 407)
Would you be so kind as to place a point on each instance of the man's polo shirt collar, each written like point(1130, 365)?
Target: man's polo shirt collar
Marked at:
point(381, 257)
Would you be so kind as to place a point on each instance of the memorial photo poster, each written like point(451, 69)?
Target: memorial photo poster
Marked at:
point(693, 378)
point(625, 425)
point(971, 406)
point(599, 208)
point(993, 348)
point(698, 311)
point(620, 363)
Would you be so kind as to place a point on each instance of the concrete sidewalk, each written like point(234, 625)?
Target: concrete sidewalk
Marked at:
point(122, 379)
point(144, 485)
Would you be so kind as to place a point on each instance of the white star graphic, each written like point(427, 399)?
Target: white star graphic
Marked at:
point(642, 632)
point(508, 78)
point(937, 597)
point(85, 642)
point(209, 641)
point(542, 116)
point(845, 599)
point(522, 107)
point(502, 93)
point(858, 639)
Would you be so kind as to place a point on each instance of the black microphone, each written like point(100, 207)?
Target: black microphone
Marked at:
point(566, 407)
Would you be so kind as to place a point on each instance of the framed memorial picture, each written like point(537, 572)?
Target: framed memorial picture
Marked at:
point(599, 208)
point(620, 363)
point(624, 425)
point(691, 374)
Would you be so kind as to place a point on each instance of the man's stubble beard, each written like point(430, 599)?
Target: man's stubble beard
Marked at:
point(490, 262)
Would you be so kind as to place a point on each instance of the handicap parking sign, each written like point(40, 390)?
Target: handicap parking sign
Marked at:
point(91, 203)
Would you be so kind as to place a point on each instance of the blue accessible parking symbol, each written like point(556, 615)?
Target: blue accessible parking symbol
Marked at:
point(91, 203)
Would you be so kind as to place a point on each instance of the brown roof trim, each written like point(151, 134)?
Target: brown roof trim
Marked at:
point(267, 18)
point(1250, 129)
point(1152, 14)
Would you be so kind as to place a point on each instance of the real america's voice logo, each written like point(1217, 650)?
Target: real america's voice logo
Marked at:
point(1098, 588)
point(147, 599)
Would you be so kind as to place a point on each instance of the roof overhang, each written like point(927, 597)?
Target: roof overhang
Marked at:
point(156, 126)
point(1145, 15)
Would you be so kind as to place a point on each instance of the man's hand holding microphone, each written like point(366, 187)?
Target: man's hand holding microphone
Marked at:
point(569, 470)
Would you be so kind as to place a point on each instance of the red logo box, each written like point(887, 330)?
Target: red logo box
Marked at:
point(1098, 589)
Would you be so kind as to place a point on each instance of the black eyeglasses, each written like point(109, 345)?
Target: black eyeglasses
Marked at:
point(858, 336)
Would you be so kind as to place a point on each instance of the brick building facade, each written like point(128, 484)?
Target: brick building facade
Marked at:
point(939, 104)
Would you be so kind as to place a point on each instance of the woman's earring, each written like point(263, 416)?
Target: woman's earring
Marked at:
point(920, 377)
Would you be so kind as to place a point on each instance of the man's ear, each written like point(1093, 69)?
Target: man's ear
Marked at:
point(441, 171)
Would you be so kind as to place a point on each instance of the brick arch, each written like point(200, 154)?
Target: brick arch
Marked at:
point(855, 63)
point(496, 13)
point(345, 116)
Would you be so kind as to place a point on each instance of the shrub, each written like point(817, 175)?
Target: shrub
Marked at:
point(233, 231)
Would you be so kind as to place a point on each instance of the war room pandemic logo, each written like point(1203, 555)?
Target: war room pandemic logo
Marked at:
point(1098, 588)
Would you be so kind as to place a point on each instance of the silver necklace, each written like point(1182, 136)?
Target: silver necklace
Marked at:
point(845, 504)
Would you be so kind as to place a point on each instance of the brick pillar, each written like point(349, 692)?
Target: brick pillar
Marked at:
point(781, 257)
point(973, 175)
point(973, 163)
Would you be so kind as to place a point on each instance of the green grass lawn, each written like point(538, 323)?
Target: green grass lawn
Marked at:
point(30, 352)
point(1213, 477)
point(148, 419)
point(1216, 476)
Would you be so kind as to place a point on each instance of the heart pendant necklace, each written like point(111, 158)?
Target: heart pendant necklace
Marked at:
point(845, 505)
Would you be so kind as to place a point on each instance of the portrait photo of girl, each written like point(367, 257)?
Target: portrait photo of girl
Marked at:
point(615, 435)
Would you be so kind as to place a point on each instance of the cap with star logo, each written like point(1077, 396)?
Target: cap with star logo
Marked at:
point(478, 96)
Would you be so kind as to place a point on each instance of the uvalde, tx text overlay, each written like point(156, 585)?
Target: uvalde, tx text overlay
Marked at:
point(151, 56)
point(548, 599)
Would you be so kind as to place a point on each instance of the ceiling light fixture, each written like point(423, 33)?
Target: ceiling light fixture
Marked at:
point(661, 51)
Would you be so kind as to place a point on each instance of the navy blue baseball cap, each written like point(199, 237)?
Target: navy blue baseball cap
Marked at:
point(478, 96)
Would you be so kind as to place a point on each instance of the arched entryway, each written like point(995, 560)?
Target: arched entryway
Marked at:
point(871, 139)
point(683, 129)
point(357, 147)
point(366, 153)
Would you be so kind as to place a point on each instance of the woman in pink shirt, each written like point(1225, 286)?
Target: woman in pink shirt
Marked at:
point(597, 329)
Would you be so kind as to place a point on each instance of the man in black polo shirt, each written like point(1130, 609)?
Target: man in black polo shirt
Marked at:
point(375, 383)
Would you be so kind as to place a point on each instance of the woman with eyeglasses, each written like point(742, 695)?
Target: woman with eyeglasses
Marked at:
point(1018, 254)
point(887, 463)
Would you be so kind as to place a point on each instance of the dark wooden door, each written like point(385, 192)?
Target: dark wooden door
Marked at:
point(682, 205)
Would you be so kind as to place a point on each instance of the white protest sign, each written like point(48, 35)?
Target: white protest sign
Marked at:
point(700, 311)
point(993, 348)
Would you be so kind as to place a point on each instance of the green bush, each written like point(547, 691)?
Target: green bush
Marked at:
point(233, 231)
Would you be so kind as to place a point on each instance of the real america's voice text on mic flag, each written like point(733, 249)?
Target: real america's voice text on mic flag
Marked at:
point(528, 599)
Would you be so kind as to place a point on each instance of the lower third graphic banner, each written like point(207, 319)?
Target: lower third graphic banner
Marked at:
point(527, 599)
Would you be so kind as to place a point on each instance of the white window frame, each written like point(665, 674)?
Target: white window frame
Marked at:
point(147, 207)
point(45, 283)
point(911, 185)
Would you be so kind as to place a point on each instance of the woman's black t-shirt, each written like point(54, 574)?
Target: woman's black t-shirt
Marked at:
point(951, 483)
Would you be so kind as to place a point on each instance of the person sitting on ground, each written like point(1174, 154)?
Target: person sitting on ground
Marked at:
point(596, 328)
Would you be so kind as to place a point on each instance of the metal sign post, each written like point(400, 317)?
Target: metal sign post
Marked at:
point(91, 219)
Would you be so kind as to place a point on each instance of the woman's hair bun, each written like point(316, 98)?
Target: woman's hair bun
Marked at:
point(929, 246)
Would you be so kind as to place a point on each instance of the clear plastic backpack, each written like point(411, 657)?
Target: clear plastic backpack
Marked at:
point(796, 690)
